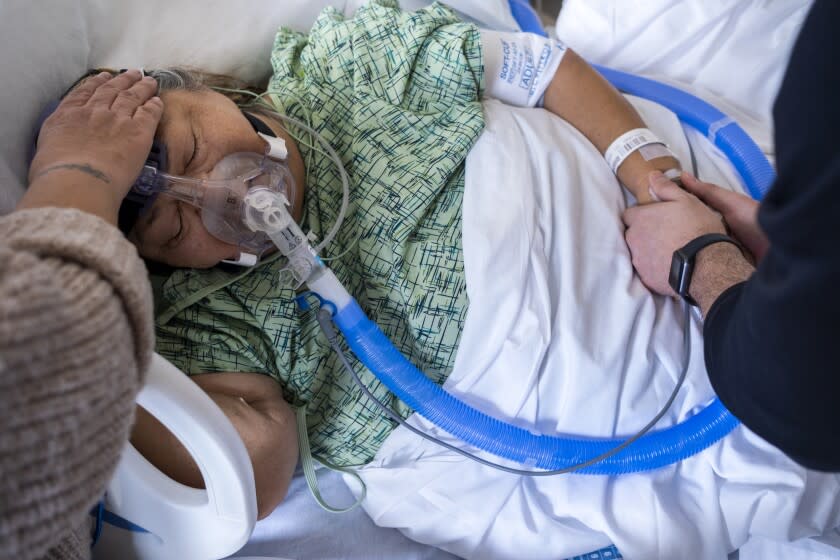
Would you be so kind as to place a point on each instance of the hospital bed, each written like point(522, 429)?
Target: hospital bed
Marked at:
point(701, 46)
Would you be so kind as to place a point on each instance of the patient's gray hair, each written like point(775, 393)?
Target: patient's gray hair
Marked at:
point(180, 78)
point(176, 78)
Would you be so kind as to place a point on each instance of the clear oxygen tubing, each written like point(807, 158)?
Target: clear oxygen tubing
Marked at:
point(652, 450)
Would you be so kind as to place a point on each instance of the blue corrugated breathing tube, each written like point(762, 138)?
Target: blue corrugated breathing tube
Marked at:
point(652, 450)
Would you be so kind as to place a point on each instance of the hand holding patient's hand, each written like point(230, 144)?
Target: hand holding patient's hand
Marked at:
point(739, 211)
point(93, 146)
point(655, 231)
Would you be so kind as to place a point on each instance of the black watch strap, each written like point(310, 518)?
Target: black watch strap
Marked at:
point(682, 262)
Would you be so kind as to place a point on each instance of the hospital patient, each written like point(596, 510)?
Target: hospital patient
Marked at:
point(398, 96)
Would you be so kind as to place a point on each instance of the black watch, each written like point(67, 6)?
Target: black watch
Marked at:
point(682, 263)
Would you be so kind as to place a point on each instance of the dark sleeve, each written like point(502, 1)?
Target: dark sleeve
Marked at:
point(773, 342)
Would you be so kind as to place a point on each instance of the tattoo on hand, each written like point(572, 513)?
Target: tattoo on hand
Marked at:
point(83, 167)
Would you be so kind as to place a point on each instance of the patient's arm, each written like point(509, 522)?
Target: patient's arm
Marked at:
point(589, 103)
point(265, 422)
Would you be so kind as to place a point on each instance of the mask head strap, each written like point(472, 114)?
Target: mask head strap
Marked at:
point(135, 203)
point(258, 125)
point(276, 146)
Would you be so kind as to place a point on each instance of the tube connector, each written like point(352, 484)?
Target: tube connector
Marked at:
point(267, 211)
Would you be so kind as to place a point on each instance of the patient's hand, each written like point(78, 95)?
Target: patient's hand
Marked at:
point(739, 211)
point(655, 231)
point(91, 149)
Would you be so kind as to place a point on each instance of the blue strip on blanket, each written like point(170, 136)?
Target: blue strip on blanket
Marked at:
point(609, 553)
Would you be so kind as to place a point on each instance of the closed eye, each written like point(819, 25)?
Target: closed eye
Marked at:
point(193, 154)
point(178, 234)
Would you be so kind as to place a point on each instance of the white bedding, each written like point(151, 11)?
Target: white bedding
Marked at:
point(736, 51)
point(563, 337)
point(301, 530)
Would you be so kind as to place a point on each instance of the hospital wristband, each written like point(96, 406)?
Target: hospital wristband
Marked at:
point(641, 139)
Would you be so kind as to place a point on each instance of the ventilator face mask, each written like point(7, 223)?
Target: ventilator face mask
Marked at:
point(221, 195)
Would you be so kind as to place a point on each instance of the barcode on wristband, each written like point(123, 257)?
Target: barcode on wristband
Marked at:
point(634, 143)
point(628, 143)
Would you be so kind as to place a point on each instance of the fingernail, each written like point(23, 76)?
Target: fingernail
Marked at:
point(653, 195)
point(104, 75)
point(655, 176)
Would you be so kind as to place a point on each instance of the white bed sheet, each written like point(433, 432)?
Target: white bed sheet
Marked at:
point(301, 530)
point(826, 547)
point(734, 50)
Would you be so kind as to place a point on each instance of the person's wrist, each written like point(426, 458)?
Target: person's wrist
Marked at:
point(717, 267)
point(637, 174)
point(71, 188)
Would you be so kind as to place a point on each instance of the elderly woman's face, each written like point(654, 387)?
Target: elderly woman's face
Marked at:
point(199, 128)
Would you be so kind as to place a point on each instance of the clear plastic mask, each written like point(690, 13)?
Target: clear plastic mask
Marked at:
point(220, 196)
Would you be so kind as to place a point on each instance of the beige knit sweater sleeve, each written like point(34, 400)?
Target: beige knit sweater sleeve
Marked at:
point(76, 335)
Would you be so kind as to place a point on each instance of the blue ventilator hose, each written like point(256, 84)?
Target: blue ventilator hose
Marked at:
point(526, 17)
point(651, 451)
point(654, 449)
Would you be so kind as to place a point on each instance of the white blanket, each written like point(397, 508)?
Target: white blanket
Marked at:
point(561, 336)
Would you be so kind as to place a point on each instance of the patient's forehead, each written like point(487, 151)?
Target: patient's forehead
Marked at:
point(201, 127)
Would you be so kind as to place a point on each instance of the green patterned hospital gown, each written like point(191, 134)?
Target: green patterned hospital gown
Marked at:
point(397, 95)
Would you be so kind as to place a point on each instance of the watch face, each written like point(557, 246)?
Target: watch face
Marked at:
point(678, 278)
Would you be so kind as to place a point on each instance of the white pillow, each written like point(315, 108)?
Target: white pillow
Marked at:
point(232, 38)
point(48, 45)
point(735, 49)
point(44, 50)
